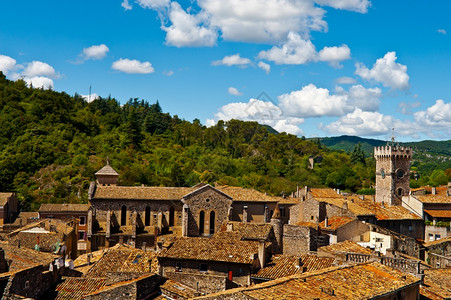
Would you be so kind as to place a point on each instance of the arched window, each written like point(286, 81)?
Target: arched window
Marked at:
point(212, 222)
point(171, 216)
point(201, 222)
point(123, 215)
point(399, 191)
point(147, 216)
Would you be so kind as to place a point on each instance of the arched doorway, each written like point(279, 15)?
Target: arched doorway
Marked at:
point(201, 222)
point(212, 222)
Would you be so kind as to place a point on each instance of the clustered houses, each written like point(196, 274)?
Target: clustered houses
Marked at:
point(222, 242)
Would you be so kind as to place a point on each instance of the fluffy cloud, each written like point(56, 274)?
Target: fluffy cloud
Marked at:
point(345, 80)
point(360, 6)
point(126, 5)
point(387, 71)
point(188, 30)
point(263, 112)
point(334, 55)
point(39, 82)
point(233, 91)
point(406, 107)
point(361, 97)
point(168, 73)
point(295, 51)
point(95, 52)
point(435, 118)
point(264, 66)
point(442, 31)
point(7, 64)
point(132, 66)
point(39, 68)
point(153, 4)
point(311, 101)
point(232, 60)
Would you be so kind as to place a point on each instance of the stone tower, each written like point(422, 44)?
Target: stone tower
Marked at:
point(392, 173)
point(107, 175)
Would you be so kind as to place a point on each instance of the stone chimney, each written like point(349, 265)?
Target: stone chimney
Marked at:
point(261, 253)
point(434, 190)
point(326, 222)
point(277, 224)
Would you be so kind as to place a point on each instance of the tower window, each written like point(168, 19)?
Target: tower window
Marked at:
point(400, 173)
point(399, 192)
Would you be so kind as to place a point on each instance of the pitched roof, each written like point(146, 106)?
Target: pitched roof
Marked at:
point(23, 258)
point(178, 289)
point(246, 231)
point(437, 283)
point(249, 195)
point(346, 246)
point(335, 222)
point(434, 199)
point(438, 242)
point(4, 197)
point(64, 208)
point(141, 193)
point(119, 284)
point(363, 281)
point(212, 249)
point(438, 213)
point(107, 170)
point(285, 265)
point(77, 287)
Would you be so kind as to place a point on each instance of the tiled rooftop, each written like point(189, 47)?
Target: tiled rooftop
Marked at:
point(4, 198)
point(363, 281)
point(119, 284)
point(178, 289)
point(23, 258)
point(434, 199)
point(75, 288)
point(107, 170)
point(438, 242)
point(437, 282)
point(307, 224)
point(335, 222)
point(346, 246)
point(64, 208)
point(246, 231)
point(285, 265)
point(213, 249)
point(141, 193)
point(438, 213)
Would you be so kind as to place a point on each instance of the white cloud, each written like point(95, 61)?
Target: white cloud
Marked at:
point(39, 68)
point(387, 71)
point(95, 52)
point(361, 97)
point(345, 80)
point(442, 31)
point(168, 73)
point(311, 101)
point(232, 60)
point(233, 91)
point(435, 118)
point(360, 6)
point(264, 66)
point(295, 51)
point(263, 21)
point(334, 55)
point(126, 5)
point(188, 30)
point(132, 66)
point(153, 4)
point(39, 82)
point(90, 98)
point(7, 64)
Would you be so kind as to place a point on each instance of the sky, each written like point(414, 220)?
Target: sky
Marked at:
point(312, 68)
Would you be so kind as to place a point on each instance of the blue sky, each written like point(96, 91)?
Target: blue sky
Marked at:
point(307, 67)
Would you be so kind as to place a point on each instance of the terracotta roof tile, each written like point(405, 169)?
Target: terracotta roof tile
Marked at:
point(285, 265)
point(107, 170)
point(141, 193)
point(307, 224)
point(77, 287)
point(23, 258)
point(246, 231)
point(119, 284)
point(4, 197)
point(439, 198)
point(437, 242)
point(64, 208)
point(346, 246)
point(213, 249)
point(248, 195)
point(178, 289)
point(363, 281)
point(335, 222)
point(437, 282)
point(438, 213)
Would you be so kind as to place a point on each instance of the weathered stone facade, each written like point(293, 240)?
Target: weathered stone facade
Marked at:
point(392, 173)
point(301, 239)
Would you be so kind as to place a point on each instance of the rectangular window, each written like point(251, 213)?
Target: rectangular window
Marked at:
point(82, 220)
point(431, 237)
point(437, 236)
point(81, 235)
point(282, 212)
point(178, 267)
point(203, 267)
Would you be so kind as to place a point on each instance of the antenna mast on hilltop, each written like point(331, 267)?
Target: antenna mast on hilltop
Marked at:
point(89, 97)
point(393, 140)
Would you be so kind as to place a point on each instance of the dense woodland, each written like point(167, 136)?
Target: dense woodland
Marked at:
point(51, 144)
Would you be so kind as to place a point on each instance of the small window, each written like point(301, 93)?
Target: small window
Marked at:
point(203, 267)
point(282, 212)
point(82, 220)
point(410, 228)
point(311, 217)
point(437, 236)
point(431, 237)
point(178, 267)
point(27, 284)
point(400, 192)
point(81, 235)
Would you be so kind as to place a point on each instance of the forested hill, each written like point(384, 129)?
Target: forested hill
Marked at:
point(51, 144)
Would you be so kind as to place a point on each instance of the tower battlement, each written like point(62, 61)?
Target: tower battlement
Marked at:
point(399, 151)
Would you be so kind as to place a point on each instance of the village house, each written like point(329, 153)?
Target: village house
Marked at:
point(9, 209)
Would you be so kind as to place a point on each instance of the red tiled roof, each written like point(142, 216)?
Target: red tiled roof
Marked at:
point(77, 287)
point(64, 208)
point(438, 213)
point(335, 222)
point(346, 246)
point(437, 283)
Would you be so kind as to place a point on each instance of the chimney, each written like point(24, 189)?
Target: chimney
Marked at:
point(382, 204)
point(261, 253)
point(88, 259)
point(434, 191)
point(144, 246)
point(345, 205)
point(245, 213)
point(326, 222)
point(229, 227)
point(299, 263)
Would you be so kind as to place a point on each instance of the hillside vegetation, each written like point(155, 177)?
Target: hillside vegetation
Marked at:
point(51, 144)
